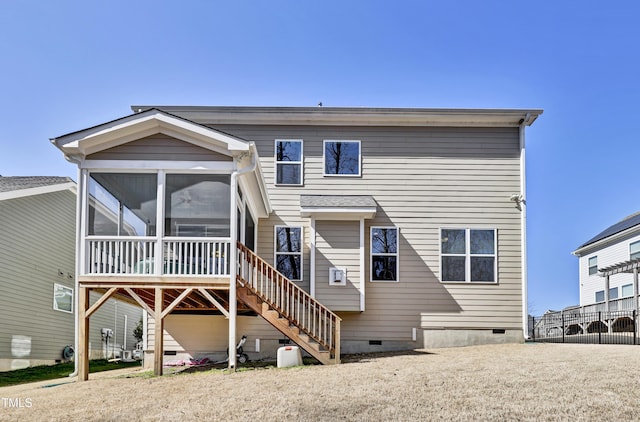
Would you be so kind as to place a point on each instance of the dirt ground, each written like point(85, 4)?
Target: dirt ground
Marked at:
point(502, 382)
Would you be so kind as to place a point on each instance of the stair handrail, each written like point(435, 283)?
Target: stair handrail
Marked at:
point(283, 295)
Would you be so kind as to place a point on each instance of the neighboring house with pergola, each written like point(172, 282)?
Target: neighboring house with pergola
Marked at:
point(343, 230)
point(608, 266)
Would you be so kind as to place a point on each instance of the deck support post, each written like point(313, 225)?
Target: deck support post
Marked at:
point(158, 342)
point(83, 334)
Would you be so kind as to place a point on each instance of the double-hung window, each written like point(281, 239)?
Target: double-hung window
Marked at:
point(634, 250)
point(288, 251)
point(593, 265)
point(342, 158)
point(627, 290)
point(468, 255)
point(288, 156)
point(384, 254)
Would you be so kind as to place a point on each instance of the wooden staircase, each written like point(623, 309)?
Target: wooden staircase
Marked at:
point(287, 307)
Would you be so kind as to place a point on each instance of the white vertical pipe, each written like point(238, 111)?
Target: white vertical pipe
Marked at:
point(523, 225)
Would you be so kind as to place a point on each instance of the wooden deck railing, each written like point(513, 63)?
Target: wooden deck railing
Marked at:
point(116, 255)
point(293, 303)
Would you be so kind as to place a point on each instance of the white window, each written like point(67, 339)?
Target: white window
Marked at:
point(613, 293)
point(384, 254)
point(593, 265)
point(634, 250)
point(341, 158)
point(600, 296)
point(468, 255)
point(288, 247)
point(288, 158)
point(627, 290)
point(62, 298)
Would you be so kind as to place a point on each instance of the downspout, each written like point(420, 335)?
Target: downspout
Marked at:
point(523, 226)
point(233, 301)
point(79, 188)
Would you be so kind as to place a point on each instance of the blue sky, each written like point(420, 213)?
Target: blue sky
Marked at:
point(67, 65)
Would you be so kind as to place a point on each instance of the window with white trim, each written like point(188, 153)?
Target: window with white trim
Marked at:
point(613, 293)
point(341, 158)
point(634, 250)
point(62, 298)
point(600, 296)
point(288, 251)
point(468, 255)
point(627, 290)
point(593, 265)
point(288, 158)
point(384, 254)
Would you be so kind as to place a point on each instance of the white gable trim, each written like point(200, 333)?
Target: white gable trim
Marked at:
point(139, 126)
point(20, 193)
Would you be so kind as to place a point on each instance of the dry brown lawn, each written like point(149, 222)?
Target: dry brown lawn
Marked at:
point(501, 382)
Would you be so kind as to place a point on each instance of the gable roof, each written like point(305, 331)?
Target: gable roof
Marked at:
point(18, 186)
point(626, 224)
point(135, 126)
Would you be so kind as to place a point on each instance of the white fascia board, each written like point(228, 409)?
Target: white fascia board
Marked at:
point(37, 191)
point(614, 238)
point(353, 116)
point(131, 129)
point(337, 213)
point(146, 165)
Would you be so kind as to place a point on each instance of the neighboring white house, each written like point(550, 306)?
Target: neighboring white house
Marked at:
point(37, 278)
point(616, 244)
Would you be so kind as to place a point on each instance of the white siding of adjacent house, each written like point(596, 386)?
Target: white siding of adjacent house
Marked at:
point(608, 255)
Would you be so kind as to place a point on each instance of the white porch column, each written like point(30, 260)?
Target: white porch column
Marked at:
point(233, 262)
point(606, 292)
point(159, 257)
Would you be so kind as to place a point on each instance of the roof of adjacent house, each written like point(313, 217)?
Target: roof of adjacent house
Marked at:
point(622, 225)
point(13, 183)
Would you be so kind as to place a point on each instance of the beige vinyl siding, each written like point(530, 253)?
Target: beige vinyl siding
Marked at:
point(202, 334)
point(338, 245)
point(423, 179)
point(159, 147)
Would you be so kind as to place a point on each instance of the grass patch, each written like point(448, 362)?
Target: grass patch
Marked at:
point(60, 370)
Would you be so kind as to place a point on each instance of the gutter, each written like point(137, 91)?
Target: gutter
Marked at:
point(233, 304)
point(77, 259)
point(523, 224)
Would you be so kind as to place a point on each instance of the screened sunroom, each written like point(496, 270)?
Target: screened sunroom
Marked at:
point(158, 197)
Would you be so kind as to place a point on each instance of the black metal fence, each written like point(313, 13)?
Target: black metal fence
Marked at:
point(604, 327)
